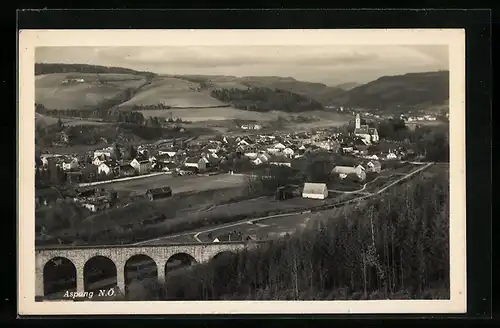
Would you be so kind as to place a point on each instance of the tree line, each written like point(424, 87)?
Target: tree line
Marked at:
point(49, 68)
point(265, 99)
point(391, 247)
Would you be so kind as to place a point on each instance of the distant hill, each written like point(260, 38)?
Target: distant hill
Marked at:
point(400, 92)
point(100, 88)
point(86, 91)
point(317, 92)
point(49, 68)
point(348, 86)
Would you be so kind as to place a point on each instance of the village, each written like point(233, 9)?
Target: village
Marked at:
point(233, 155)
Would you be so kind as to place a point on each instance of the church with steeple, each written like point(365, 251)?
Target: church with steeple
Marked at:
point(369, 135)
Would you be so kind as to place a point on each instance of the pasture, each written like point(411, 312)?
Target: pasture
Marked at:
point(203, 114)
point(180, 184)
point(53, 94)
point(171, 92)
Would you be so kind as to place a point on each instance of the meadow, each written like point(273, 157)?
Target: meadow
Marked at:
point(53, 94)
point(180, 184)
point(171, 92)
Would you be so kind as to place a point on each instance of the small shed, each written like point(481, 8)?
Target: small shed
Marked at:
point(158, 193)
point(315, 190)
point(285, 192)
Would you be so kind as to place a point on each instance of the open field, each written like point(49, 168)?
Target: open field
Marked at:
point(210, 116)
point(179, 184)
point(201, 114)
point(50, 92)
point(50, 120)
point(171, 92)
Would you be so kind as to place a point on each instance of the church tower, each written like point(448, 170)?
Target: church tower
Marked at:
point(358, 121)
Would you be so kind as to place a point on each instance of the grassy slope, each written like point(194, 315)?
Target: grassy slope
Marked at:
point(172, 92)
point(50, 92)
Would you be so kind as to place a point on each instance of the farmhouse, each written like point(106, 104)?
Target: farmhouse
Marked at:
point(315, 190)
point(374, 166)
point(98, 160)
point(72, 164)
point(196, 162)
point(169, 151)
point(391, 155)
point(280, 161)
point(288, 151)
point(261, 159)
point(107, 152)
point(96, 205)
point(344, 171)
point(142, 166)
point(158, 193)
point(126, 170)
point(285, 192)
point(103, 168)
point(167, 167)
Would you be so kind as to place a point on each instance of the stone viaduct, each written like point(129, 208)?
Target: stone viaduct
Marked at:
point(120, 254)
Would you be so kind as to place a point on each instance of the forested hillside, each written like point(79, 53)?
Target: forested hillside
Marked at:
point(399, 92)
point(391, 247)
point(265, 99)
point(46, 68)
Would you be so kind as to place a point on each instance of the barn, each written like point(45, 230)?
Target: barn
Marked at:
point(157, 193)
point(315, 190)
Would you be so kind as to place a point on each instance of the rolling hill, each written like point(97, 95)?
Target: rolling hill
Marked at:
point(348, 86)
point(172, 92)
point(92, 87)
point(316, 91)
point(50, 68)
point(88, 90)
point(400, 92)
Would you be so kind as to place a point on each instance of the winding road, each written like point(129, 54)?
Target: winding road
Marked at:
point(196, 233)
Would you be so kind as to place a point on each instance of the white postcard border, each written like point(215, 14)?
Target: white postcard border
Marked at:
point(30, 39)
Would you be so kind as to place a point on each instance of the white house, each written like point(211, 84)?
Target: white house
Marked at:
point(199, 163)
point(103, 168)
point(391, 156)
point(288, 152)
point(261, 159)
point(99, 160)
point(70, 165)
point(243, 142)
point(374, 166)
point(280, 161)
point(315, 190)
point(279, 146)
point(251, 154)
point(141, 167)
point(344, 171)
point(107, 152)
point(169, 152)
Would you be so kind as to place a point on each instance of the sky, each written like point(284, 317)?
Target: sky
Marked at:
point(330, 65)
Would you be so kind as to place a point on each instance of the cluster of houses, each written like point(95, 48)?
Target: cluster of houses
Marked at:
point(76, 80)
point(251, 126)
point(211, 155)
point(425, 117)
point(94, 199)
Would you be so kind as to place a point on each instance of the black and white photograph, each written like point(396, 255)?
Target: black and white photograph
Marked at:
point(208, 167)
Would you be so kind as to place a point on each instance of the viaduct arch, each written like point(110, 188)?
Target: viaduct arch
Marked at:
point(118, 255)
